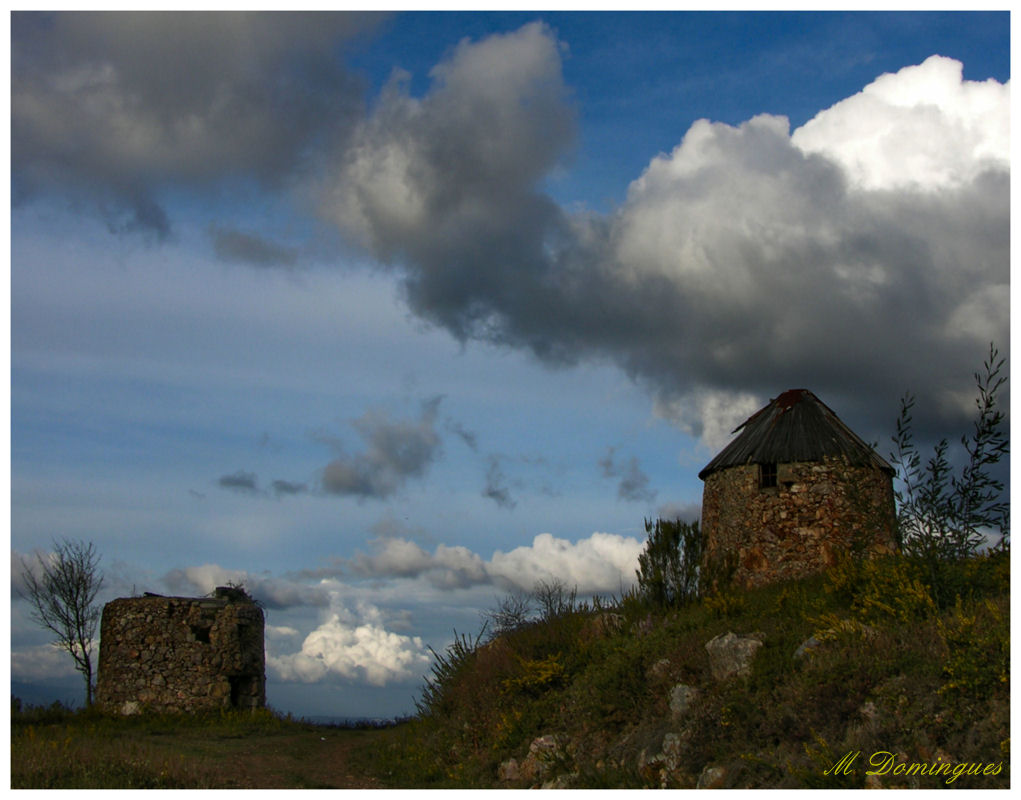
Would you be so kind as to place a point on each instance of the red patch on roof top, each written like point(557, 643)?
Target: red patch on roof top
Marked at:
point(790, 398)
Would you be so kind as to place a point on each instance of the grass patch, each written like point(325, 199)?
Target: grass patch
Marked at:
point(55, 748)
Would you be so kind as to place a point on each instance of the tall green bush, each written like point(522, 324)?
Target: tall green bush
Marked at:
point(669, 567)
point(944, 517)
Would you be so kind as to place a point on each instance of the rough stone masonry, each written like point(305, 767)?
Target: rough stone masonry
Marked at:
point(182, 654)
point(801, 526)
point(792, 491)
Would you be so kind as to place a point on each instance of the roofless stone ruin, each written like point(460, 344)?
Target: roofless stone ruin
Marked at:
point(794, 489)
point(168, 654)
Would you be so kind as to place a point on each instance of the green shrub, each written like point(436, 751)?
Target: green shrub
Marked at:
point(941, 517)
point(890, 589)
point(446, 669)
point(727, 604)
point(977, 639)
point(668, 568)
point(536, 676)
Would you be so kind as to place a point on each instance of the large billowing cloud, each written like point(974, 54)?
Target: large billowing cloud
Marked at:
point(355, 647)
point(116, 106)
point(922, 127)
point(602, 563)
point(865, 254)
point(862, 255)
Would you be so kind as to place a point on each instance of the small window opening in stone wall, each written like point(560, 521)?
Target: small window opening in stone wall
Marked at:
point(767, 475)
point(201, 633)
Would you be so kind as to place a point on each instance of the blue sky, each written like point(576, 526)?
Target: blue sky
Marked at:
point(387, 316)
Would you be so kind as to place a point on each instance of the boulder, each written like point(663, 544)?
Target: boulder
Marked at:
point(659, 670)
point(565, 781)
point(543, 753)
point(731, 655)
point(672, 744)
point(681, 698)
point(509, 770)
point(712, 778)
point(663, 766)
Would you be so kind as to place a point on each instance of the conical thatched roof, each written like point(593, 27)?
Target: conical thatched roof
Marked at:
point(796, 426)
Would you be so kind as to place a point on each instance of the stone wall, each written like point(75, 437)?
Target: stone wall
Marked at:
point(800, 526)
point(182, 654)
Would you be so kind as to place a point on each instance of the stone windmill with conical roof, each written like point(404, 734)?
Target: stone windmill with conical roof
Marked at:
point(792, 491)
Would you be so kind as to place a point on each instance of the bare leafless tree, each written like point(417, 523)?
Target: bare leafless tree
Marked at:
point(554, 599)
point(513, 611)
point(62, 590)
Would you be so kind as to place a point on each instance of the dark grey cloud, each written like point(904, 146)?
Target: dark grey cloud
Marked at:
point(111, 108)
point(389, 527)
point(240, 481)
point(740, 264)
point(496, 488)
point(470, 438)
point(248, 248)
point(248, 483)
point(634, 483)
point(447, 568)
point(334, 569)
point(282, 488)
point(864, 255)
point(395, 451)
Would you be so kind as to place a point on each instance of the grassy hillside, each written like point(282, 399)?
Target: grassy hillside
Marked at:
point(589, 697)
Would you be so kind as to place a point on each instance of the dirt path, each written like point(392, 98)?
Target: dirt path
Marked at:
point(317, 759)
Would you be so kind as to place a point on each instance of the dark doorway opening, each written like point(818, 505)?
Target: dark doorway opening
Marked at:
point(243, 691)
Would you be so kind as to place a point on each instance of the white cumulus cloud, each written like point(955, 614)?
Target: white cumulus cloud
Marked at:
point(602, 563)
point(923, 126)
point(357, 651)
